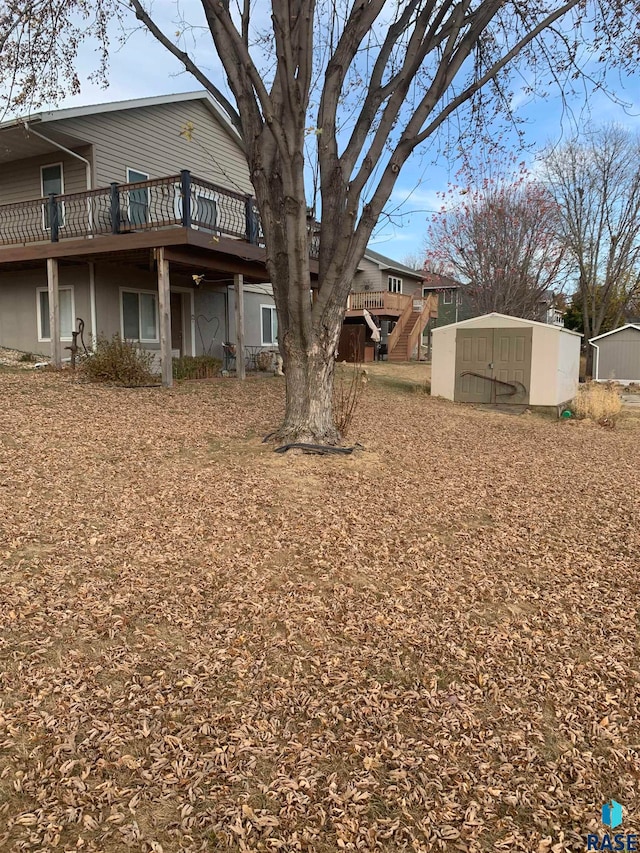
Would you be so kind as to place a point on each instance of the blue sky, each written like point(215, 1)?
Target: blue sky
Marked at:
point(142, 68)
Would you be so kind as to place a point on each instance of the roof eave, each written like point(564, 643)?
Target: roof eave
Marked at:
point(615, 331)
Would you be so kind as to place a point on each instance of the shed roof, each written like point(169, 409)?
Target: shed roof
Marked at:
point(474, 320)
point(614, 332)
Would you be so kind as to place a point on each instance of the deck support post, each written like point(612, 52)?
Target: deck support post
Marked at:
point(164, 310)
point(238, 283)
point(54, 311)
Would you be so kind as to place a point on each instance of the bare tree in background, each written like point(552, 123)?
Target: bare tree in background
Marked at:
point(351, 87)
point(596, 184)
point(502, 242)
point(414, 260)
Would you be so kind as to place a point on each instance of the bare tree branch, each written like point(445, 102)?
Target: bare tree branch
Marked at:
point(186, 60)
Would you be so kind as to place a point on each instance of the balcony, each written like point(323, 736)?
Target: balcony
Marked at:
point(377, 302)
point(181, 200)
point(177, 200)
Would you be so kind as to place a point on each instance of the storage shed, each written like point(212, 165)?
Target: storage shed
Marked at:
point(501, 359)
point(617, 355)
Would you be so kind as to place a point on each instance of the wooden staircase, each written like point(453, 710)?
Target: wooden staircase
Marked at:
point(406, 335)
point(400, 351)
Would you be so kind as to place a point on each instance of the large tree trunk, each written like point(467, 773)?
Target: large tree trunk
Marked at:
point(308, 348)
point(308, 331)
point(309, 376)
point(587, 331)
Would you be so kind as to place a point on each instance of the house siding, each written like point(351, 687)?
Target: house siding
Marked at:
point(18, 315)
point(252, 318)
point(148, 140)
point(619, 356)
point(371, 277)
point(367, 277)
point(20, 180)
point(447, 314)
point(210, 321)
point(410, 287)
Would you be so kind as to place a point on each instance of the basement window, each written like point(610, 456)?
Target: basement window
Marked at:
point(67, 313)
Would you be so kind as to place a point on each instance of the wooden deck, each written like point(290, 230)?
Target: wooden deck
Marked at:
point(379, 302)
point(199, 225)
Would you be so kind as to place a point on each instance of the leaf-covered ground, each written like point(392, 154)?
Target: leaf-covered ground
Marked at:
point(431, 645)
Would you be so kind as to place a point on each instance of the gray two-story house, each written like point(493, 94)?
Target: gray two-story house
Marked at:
point(392, 294)
point(137, 217)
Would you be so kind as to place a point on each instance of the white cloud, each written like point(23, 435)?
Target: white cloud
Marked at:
point(416, 197)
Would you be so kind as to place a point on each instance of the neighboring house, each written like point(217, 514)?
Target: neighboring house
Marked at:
point(137, 217)
point(551, 309)
point(455, 305)
point(617, 355)
point(392, 293)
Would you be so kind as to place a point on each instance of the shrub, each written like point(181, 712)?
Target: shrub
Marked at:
point(196, 367)
point(264, 360)
point(26, 357)
point(348, 384)
point(598, 401)
point(120, 362)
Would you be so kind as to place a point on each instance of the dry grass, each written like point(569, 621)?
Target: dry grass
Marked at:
point(432, 645)
point(413, 372)
point(597, 401)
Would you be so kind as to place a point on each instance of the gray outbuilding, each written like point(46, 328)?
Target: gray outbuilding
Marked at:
point(501, 359)
point(617, 355)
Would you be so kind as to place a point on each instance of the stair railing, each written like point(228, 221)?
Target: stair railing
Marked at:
point(398, 329)
point(430, 306)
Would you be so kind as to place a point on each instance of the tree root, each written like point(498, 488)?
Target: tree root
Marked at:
point(317, 449)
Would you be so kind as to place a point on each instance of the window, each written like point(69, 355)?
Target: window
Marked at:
point(139, 316)
point(67, 309)
point(138, 207)
point(52, 181)
point(269, 325)
point(447, 297)
point(395, 284)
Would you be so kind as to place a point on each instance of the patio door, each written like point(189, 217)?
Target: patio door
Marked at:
point(138, 208)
